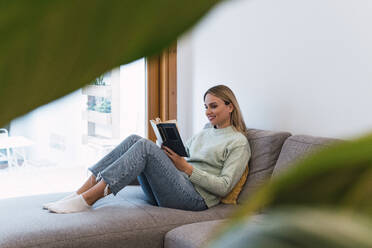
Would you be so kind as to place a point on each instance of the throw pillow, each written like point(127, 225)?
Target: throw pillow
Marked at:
point(232, 197)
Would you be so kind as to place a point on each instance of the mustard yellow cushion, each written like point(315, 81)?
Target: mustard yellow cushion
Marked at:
point(232, 197)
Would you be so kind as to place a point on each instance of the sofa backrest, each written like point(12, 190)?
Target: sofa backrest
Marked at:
point(265, 149)
point(298, 147)
point(273, 152)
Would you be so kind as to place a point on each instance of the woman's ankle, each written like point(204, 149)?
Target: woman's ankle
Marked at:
point(88, 199)
point(91, 181)
point(96, 192)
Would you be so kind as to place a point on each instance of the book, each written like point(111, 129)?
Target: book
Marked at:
point(167, 134)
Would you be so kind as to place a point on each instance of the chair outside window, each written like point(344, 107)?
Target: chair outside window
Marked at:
point(13, 147)
point(4, 156)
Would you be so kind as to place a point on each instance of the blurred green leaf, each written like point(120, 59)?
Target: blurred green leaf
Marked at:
point(301, 227)
point(49, 48)
point(339, 176)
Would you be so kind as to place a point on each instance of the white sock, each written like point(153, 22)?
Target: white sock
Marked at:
point(72, 195)
point(72, 205)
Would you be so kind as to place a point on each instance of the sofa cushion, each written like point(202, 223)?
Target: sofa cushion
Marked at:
point(198, 234)
point(192, 235)
point(124, 220)
point(232, 197)
point(265, 149)
point(298, 147)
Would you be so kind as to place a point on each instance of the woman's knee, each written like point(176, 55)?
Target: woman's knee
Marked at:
point(147, 146)
point(147, 142)
point(134, 137)
point(131, 139)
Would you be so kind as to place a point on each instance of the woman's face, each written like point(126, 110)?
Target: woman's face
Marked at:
point(217, 112)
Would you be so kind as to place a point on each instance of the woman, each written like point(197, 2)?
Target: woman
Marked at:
point(217, 159)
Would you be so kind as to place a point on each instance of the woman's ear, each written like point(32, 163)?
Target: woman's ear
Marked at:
point(231, 107)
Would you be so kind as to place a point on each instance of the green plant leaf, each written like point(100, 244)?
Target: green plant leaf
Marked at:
point(299, 228)
point(339, 176)
point(49, 48)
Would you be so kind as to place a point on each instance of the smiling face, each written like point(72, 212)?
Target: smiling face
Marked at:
point(217, 112)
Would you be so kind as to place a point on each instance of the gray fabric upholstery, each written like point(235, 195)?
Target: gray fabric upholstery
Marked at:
point(265, 148)
point(126, 220)
point(191, 235)
point(198, 234)
point(298, 147)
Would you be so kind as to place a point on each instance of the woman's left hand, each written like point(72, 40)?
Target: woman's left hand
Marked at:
point(178, 161)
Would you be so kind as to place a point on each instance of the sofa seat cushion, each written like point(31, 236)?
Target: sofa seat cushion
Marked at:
point(126, 220)
point(197, 235)
point(298, 147)
point(191, 235)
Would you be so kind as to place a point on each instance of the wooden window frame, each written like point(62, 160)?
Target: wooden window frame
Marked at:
point(161, 87)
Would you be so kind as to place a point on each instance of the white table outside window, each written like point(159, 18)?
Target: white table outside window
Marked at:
point(15, 145)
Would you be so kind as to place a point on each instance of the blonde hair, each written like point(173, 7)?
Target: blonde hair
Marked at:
point(225, 94)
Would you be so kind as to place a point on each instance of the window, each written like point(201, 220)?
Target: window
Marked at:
point(77, 130)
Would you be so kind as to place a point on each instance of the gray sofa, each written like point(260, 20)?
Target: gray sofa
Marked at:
point(128, 220)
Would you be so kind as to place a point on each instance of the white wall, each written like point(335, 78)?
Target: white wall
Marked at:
point(185, 103)
point(132, 99)
point(298, 66)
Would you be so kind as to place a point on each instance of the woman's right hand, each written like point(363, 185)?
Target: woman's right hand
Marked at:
point(180, 163)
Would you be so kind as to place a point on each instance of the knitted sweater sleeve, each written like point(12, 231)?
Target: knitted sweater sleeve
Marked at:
point(234, 166)
point(187, 145)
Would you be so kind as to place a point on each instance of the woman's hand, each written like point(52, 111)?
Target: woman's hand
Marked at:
point(178, 161)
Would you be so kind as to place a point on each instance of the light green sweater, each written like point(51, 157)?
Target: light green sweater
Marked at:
point(219, 158)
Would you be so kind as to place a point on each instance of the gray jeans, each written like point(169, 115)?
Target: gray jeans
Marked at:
point(161, 181)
